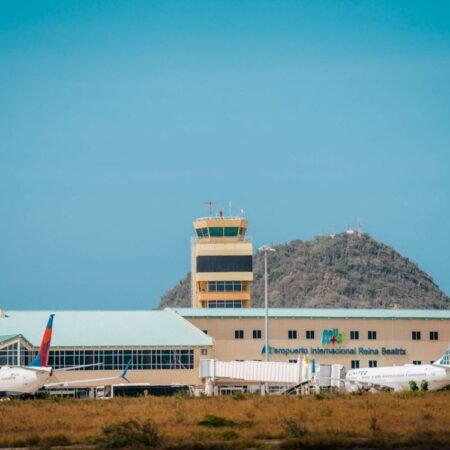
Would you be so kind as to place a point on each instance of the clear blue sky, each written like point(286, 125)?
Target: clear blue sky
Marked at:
point(118, 119)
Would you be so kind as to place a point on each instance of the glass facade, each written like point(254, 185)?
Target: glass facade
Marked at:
point(142, 359)
point(9, 355)
point(224, 286)
point(225, 263)
point(220, 232)
point(224, 304)
point(202, 232)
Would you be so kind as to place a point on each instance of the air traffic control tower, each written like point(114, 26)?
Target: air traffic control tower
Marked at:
point(222, 262)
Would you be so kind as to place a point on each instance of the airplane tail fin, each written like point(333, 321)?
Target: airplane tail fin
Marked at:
point(125, 370)
point(41, 359)
point(444, 360)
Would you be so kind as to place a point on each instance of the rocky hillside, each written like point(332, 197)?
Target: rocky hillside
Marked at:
point(344, 271)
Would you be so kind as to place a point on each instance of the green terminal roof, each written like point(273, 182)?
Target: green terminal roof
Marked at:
point(106, 328)
point(8, 337)
point(316, 313)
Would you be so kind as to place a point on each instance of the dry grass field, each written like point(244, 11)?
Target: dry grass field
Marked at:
point(413, 420)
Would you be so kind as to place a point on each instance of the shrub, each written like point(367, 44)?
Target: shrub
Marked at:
point(213, 421)
point(424, 385)
point(413, 386)
point(239, 396)
point(54, 440)
point(130, 433)
point(374, 425)
point(229, 435)
point(294, 429)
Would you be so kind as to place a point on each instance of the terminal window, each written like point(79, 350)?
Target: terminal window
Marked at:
point(434, 335)
point(292, 334)
point(355, 364)
point(372, 335)
point(417, 363)
point(373, 363)
point(354, 335)
point(9, 355)
point(309, 334)
point(416, 335)
point(141, 359)
point(256, 334)
point(239, 334)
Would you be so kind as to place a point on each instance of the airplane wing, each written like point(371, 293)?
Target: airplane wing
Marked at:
point(39, 369)
point(61, 384)
point(75, 382)
point(77, 367)
point(367, 385)
point(361, 384)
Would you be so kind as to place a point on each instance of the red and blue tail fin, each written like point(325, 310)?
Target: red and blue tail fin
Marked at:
point(41, 359)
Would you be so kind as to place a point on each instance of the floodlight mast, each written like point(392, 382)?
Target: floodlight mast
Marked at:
point(265, 249)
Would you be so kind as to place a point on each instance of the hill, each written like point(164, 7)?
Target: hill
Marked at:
point(340, 271)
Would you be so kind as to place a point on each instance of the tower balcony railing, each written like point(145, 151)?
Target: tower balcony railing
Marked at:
point(222, 239)
point(220, 218)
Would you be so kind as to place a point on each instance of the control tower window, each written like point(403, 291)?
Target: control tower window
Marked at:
point(231, 231)
point(216, 231)
point(224, 263)
point(225, 304)
point(223, 231)
point(202, 232)
point(224, 286)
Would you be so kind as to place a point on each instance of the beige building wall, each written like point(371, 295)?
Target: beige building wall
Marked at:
point(391, 334)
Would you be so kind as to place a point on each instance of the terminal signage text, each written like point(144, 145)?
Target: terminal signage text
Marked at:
point(334, 351)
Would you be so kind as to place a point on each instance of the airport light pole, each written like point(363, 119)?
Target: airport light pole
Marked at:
point(265, 249)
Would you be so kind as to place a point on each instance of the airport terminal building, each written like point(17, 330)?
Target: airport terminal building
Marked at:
point(166, 347)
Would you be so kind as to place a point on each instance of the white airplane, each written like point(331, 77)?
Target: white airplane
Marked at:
point(398, 378)
point(29, 379)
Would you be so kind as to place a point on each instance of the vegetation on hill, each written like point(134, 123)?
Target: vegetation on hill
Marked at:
point(340, 271)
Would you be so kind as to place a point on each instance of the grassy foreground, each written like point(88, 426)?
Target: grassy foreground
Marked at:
point(388, 420)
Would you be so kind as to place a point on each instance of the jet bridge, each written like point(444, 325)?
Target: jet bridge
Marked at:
point(303, 376)
point(288, 374)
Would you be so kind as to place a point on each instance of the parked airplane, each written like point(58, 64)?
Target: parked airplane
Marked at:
point(398, 378)
point(29, 379)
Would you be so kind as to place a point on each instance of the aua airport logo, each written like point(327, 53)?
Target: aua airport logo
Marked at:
point(332, 337)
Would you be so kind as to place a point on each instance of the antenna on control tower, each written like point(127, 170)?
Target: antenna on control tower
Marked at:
point(210, 204)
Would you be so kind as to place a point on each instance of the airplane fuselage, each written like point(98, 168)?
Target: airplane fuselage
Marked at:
point(397, 377)
point(22, 380)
